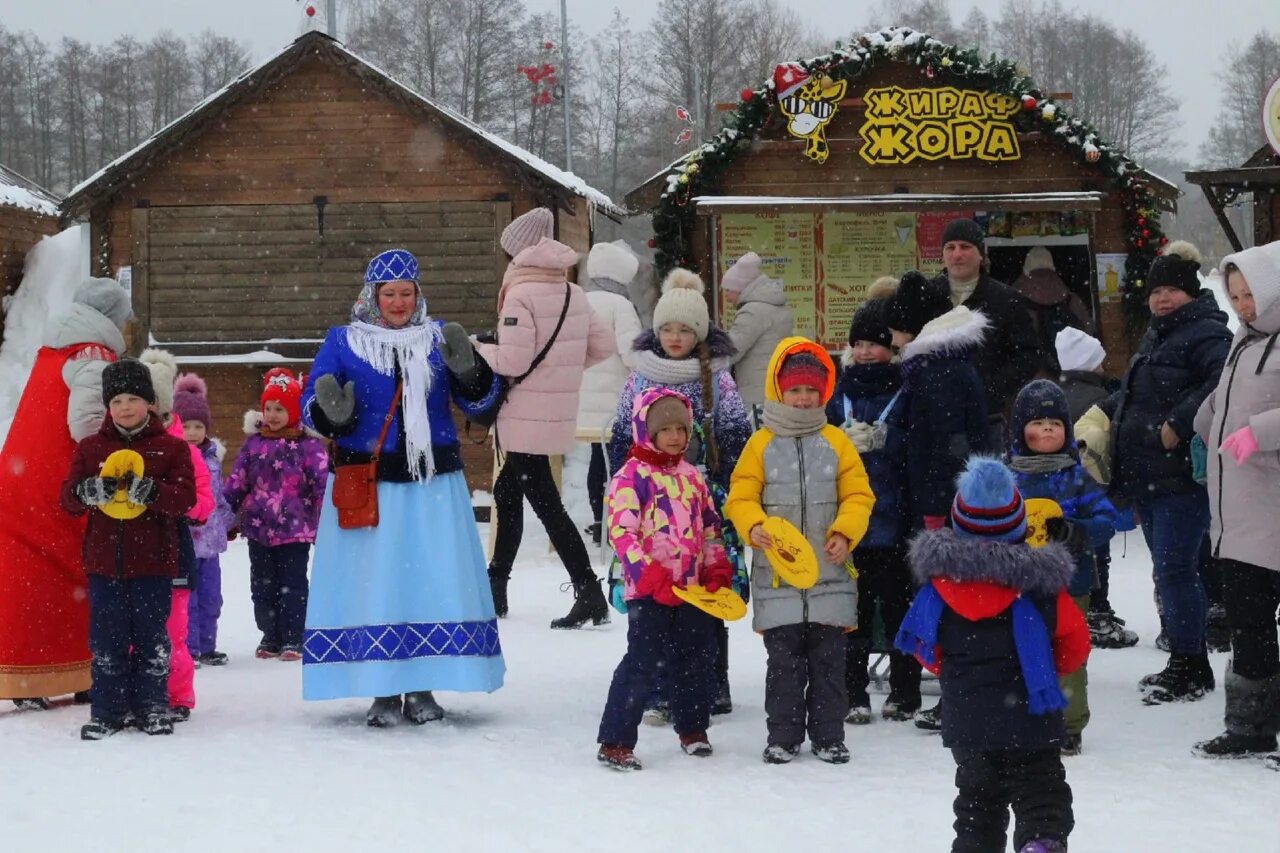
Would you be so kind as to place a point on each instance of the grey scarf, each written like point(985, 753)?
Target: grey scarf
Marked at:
point(1041, 463)
point(607, 285)
point(790, 422)
point(672, 371)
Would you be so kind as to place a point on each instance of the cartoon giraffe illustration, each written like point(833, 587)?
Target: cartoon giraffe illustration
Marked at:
point(809, 109)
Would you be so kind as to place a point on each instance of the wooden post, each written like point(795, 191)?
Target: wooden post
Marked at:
point(141, 294)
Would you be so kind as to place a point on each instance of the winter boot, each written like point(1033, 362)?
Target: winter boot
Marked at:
point(214, 658)
point(778, 753)
point(81, 698)
point(1272, 761)
point(930, 719)
point(383, 712)
point(1162, 642)
point(696, 743)
point(657, 714)
point(1073, 745)
point(595, 531)
point(1252, 718)
point(1108, 632)
point(1044, 845)
point(421, 707)
point(97, 729)
point(1231, 745)
point(618, 757)
point(1217, 633)
point(1185, 678)
point(833, 752)
point(900, 707)
point(179, 713)
point(267, 649)
point(34, 704)
point(291, 654)
point(859, 715)
point(498, 586)
point(156, 723)
point(588, 606)
point(723, 703)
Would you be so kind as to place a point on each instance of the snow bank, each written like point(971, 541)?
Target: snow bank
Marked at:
point(1213, 281)
point(55, 267)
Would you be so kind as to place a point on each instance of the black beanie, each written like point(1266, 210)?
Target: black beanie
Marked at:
point(1171, 270)
point(916, 302)
point(127, 376)
point(967, 231)
point(1038, 399)
point(869, 324)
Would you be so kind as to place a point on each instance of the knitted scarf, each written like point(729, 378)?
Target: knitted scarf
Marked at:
point(1041, 463)
point(790, 422)
point(654, 456)
point(918, 635)
point(675, 371)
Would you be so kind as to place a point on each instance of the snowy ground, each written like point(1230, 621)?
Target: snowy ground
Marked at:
point(257, 769)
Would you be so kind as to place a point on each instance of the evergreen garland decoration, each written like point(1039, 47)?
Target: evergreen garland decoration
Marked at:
point(700, 172)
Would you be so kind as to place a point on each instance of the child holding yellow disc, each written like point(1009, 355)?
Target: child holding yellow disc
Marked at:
point(664, 528)
point(807, 472)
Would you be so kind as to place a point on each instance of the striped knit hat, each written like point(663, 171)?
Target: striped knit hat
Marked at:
point(987, 502)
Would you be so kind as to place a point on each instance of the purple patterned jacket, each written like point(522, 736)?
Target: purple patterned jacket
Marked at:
point(276, 487)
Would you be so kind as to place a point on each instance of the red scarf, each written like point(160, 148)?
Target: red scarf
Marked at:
point(653, 456)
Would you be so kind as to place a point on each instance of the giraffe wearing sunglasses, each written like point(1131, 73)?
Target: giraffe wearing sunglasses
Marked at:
point(810, 109)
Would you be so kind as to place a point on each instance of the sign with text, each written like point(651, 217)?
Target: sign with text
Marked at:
point(945, 123)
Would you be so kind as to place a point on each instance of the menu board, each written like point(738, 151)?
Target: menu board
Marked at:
point(788, 247)
point(857, 249)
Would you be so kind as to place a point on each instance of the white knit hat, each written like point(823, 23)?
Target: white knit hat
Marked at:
point(1078, 350)
point(744, 271)
point(1261, 268)
point(527, 229)
point(164, 370)
point(1039, 258)
point(682, 302)
point(608, 260)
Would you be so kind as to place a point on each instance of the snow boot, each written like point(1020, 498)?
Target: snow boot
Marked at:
point(1073, 745)
point(588, 606)
point(1272, 761)
point(930, 719)
point(498, 587)
point(1217, 633)
point(1252, 718)
point(33, 704)
point(595, 531)
point(1231, 745)
point(859, 714)
point(156, 723)
point(1162, 641)
point(97, 729)
point(696, 743)
point(179, 713)
point(1186, 678)
point(658, 714)
point(291, 654)
point(723, 703)
point(214, 658)
point(383, 712)
point(777, 753)
point(1107, 631)
point(1044, 845)
point(834, 752)
point(900, 707)
point(267, 650)
point(421, 707)
point(618, 757)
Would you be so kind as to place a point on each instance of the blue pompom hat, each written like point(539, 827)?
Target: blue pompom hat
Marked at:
point(987, 503)
point(392, 265)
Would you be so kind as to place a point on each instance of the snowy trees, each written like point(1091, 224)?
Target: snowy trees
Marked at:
point(1246, 72)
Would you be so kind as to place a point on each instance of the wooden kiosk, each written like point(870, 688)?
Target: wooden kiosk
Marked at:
point(1259, 175)
point(28, 213)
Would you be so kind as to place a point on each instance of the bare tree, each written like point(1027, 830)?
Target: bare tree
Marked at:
point(1245, 73)
point(167, 70)
point(617, 55)
point(218, 60)
point(926, 16)
point(695, 44)
point(486, 41)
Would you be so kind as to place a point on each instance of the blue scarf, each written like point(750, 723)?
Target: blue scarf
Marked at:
point(918, 636)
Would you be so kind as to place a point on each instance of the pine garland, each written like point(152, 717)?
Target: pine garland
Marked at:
point(700, 172)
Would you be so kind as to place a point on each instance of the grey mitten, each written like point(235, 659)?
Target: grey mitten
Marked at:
point(862, 435)
point(459, 354)
point(142, 491)
point(96, 491)
point(337, 402)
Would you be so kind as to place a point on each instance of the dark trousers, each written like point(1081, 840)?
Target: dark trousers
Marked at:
point(1252, 595)
point(1174, 527)
point(527, 475)
point(988, 783)
point(596, 480)
point(278, 586)
point(1210, 572)
point(1099, 601)
point(674, 639)
point(804, 683)
point(885, 581)
point(130, 646)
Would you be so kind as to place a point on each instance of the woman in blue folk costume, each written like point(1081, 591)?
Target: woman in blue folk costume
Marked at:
point(401, 608)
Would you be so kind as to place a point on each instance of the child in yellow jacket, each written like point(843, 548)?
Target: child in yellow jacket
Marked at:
point(806, 471)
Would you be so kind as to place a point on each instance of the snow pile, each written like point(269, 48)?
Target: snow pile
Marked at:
point(1213, 281)
point(14, 196)
point(55, 267)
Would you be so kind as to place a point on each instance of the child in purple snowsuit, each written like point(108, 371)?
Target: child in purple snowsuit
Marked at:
point(191, 404)
point(276, 487)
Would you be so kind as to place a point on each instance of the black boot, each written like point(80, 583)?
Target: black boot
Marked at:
point(421, 707)
point(1217, 633)
point(1185, 678)
point(498, 586)
point(1252, 723)
point(588, 605)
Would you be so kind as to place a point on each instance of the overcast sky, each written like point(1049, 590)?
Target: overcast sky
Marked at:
point(1177, 31)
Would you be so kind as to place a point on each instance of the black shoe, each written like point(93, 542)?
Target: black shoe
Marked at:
point(588, 606)
point(1228, 745)
point(421, 707)
point(179, 714)
point(81, 698)
point(595, 531)
point(1272, 761)
point(1073, 745)
point(834, 752)
point(930, 719)
point(777, 753)
point(900, 707)
point(1217, 633)
point(33, 704)
point(214, 658)
point(156, 723)
point(1162, 642)
point(1185, 678)
point(1106, 631)
point(498, 586)
point(97, 729)
point(723, 703)
point(383, 712)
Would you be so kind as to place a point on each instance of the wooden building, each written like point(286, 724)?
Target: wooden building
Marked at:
point(1258, 176)
point(246, 224)
point(846, 167)
point(28, 213)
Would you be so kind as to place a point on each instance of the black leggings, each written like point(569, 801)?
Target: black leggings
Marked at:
point(1252, 594)
point(596, 482)
point(527, 475)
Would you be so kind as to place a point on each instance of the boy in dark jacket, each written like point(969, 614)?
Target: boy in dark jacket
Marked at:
point(1043, 457)
point(869, 406)
point(994, 620)
point(130, 562)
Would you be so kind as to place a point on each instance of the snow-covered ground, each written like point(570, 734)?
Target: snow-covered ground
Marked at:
point(256, 768)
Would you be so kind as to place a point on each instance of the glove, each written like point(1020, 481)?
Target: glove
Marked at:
point(717, 577)
point(96, 491)
point(1241, 444)
point(862, 435)
point(935, 522)
point(337, 403)
point(1073, 535)
point(617, 597)
point(459, 354)
point(142, 491)
point(655, 582)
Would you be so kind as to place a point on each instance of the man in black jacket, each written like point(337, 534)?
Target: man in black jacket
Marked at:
point(1011, 355)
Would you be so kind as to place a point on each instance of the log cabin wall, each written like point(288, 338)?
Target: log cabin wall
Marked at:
point(20, 229)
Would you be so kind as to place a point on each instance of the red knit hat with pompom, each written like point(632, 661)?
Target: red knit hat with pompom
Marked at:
point(279, 384)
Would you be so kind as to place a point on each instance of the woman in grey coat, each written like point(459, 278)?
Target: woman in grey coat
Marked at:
point(761, 320)
point(1240, 424)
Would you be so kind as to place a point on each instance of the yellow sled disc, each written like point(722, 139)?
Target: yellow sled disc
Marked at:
point(724, 603)
point(791, 555)
point(1039, 511)
point(117, 465)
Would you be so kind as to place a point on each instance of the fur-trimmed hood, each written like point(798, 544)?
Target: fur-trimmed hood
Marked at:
point(940, 554)
point(719, 341)
point(253, 425)
point(955, 333)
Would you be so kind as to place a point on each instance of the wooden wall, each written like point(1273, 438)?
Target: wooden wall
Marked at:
point(19, 231)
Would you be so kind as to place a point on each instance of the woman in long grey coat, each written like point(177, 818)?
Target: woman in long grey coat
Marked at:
point(761, 320)
point(1240, 424)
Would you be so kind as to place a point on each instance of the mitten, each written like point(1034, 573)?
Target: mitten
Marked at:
point(96, 491)
point(337, 403)
point(1073, 535)
point(862, 435)
point(473, 374)
point(935, 522)
point(618, 597)
point(655, 582)
point(717, 576)
point(142, 491)
point(1241, 444)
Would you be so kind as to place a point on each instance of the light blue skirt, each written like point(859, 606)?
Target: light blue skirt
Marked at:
point(403, 606)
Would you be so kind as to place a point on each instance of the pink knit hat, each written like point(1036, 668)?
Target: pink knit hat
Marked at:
point(526, 230)
point(742, 273)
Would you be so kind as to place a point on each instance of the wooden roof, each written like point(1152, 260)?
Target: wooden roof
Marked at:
point(19, 191)
point(565, 187)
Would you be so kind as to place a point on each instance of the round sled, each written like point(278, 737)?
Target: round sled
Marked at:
point(117, 465)
point(791, 555)
point(1039, 511)
point(724, 603)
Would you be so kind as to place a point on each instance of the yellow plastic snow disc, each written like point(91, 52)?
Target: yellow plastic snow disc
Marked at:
point(1039, 511)
point(791, 555)
point(117, 465)
point(724, 603)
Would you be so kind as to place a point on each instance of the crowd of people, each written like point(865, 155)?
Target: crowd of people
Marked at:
point(917, 471)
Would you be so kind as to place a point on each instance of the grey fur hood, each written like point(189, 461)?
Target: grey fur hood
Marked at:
point(943, 554)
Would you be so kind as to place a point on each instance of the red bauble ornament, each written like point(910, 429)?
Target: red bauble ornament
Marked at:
point(748, 94)
point(1163, 240)
point(1028, 102)
point(653, 243)
point(1142, 220)
point(1146, 232)
point(311, 11)
point(1139, 242)
point(546, 45)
